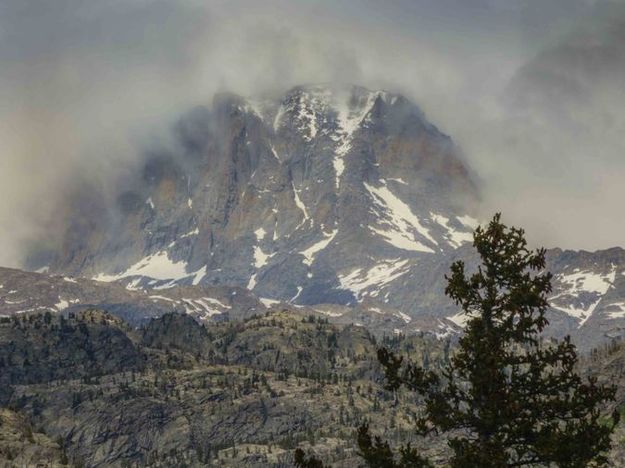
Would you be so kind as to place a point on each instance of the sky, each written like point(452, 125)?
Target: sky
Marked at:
point(531, 91)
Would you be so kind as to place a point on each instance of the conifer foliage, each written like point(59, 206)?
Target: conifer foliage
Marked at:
point(300, 460)
point(507, 397)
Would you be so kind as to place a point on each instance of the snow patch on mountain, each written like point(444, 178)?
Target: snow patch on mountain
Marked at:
point(373, 278)
point(310, 253)
point(616, 310)
point(260, 257)
point(405, 317)
point(299, 291)
point(309, 107)
point(199, 275)
point(217, 302)
point(400, 315)
point(200, 308)
point(444, 330)
point(468, 221)
point(252, 282)
point(157, 266)
point(301, 206)
point(156, 297)
point(455, 237)
point(268, 302)
point(274, 153)
point(350, 115)
point(195, 232)
point(329, 311)
point(399, 222)
point(460, 319)
point(399, 180)
point(585, 281)
point(581, 292)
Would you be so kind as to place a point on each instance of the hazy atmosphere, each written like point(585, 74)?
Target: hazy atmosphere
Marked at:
point(531, 91)
point(312, 233)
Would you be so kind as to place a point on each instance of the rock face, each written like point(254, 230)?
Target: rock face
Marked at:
point(295, 198)
point(178, 331)
point(20, 445)
point(336, 196)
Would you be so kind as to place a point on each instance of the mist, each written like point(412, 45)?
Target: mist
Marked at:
point(530, 90)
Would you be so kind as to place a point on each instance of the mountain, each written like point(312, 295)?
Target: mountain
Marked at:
point(26, 293)
point(288, 197)
point(339, 198)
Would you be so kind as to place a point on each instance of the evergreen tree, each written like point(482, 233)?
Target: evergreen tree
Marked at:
point(300, 460)
point(378, 454)
point(507, 397)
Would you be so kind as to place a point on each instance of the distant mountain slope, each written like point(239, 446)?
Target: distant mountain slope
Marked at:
point(588, 300)
point(24, 293)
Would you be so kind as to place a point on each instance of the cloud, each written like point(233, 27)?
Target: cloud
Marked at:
point(554, 156)
point(86, 85)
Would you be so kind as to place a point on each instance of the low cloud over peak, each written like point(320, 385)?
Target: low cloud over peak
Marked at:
point(529, 90)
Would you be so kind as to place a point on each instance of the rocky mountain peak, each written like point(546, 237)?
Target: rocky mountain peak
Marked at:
point(338, 198)
point(324, 194)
